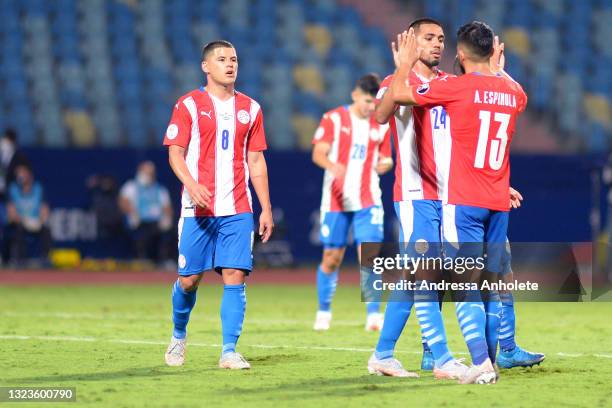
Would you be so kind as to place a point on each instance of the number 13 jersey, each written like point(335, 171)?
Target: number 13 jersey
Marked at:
point(482, 111)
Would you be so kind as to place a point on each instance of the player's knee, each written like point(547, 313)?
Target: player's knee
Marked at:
point(233, 276)
point(331, 260)
point(190, 283)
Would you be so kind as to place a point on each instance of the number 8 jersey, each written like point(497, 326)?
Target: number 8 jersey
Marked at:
point(482, 112)
point(216, 136)
point(358, 144)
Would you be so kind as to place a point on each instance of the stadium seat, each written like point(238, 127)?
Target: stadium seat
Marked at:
point(319, 38)
point(517, 40)
point(80, 128)
point(308, 79)
point(598, 109)
point(304, 126)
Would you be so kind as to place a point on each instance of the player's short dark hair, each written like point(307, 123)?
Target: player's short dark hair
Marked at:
point(416, 24)
point(369, 83)
point(478, 38)
point(209, 47)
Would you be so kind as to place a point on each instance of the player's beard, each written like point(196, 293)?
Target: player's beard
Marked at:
point(431, 64)
point(458, 69)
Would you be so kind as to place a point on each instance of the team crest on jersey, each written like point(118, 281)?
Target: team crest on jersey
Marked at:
point(422, 89)
point(244, 117)
point(172, 131)
point(421, 246)
point(182, 261)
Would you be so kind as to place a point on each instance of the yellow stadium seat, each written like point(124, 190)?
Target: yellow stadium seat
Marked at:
point(308, 78)
point(598, 109)
point(319, 38)
point(517, 41)
point(82, 130)
point(304, 126)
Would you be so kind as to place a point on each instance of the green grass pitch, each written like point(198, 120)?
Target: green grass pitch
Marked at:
point(109, 342)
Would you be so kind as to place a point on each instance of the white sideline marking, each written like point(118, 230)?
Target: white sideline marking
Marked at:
point(127, 316)
point(163, 343)
point(260, 346)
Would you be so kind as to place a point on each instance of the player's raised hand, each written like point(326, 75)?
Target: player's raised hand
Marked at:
point(199, 195)
point(408, 50)
point(266, 225)
point(497, 60)
point(515, 198)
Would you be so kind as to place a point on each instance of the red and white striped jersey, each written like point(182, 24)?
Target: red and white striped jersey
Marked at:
point(421, 137)
point(216, 136)
point(357, 144)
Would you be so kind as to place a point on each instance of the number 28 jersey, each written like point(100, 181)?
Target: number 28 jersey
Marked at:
point(357, 144)
point(482, 112)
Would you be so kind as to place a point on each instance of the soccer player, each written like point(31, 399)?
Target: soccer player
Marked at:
point(482, 106)
point(421, 139)
point(215, 142)
point(353, 150)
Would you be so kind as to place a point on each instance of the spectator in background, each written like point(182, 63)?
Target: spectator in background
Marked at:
point(146, 205)
point(10, 158)
point(27, 215)
point(104, 195)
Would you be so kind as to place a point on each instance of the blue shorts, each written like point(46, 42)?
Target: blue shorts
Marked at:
point(467, 229)
point(420, 223)
point(207, 243)
point(367, 226)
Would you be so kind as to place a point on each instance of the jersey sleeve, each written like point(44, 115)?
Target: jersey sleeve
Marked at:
point(385, 146)
point(257, 135)
point(128, 191)
point(522, 102)
point(13, 193)
point(384, 86)
point(325, 131)
point(441, 91)
point(179, 128)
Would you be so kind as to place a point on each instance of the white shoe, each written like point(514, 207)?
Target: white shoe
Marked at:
point(233, 361)
point(451, 370)
point(480, 374)
point(175, 354)
point(374, 322)
point(322, 321)
point(389, 366)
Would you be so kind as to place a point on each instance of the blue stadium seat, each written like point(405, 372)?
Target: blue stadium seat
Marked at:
point(435, 9)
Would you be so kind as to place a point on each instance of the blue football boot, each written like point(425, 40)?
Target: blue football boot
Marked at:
point(518, 358)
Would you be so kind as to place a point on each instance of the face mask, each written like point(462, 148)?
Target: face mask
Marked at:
point(144, 179)
point(21, 180)
point(6, 148)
